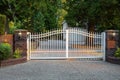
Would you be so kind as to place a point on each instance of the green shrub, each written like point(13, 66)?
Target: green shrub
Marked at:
point(5, 51)
point(117, 53)
point(2, 23)
point(17, 53)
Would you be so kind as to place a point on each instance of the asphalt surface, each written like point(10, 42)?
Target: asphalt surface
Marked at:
point(61, 70)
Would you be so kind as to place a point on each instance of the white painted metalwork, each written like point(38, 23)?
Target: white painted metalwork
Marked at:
point(70, 43)
point(67, 43)
point(104, 45)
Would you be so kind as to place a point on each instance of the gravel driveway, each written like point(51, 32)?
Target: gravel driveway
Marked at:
point(61, 70)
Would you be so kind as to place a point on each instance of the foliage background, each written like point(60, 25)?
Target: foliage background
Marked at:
point(43, 15)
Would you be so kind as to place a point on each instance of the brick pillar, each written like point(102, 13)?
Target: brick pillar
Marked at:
point(112, 40)
point(20, 41)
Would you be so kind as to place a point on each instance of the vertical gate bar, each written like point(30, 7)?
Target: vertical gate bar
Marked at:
point(57, 39)
point(60, 39)
point(92, 41)
point(76, 41)
point(86, 43)
point(29, 45)
point(50, 40)
point(31, 42)
point(101, 42)
point(46, 40)
point(88, 39)
point(52, 46)
point(32, 38)
point(66, 43)
point(35, 41)
point(62, 32)
point(39, 41)
point(73, 42)
point(43, 44)
point(104, 46)
point(97, 40)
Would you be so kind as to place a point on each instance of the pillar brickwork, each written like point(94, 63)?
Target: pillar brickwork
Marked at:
point(112, 42)
point(20, 41)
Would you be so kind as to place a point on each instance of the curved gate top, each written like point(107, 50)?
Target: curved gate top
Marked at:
point(70, 43)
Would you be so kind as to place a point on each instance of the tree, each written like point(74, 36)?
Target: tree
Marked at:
point(34, 15)
point(2, 23)
point(91, 14)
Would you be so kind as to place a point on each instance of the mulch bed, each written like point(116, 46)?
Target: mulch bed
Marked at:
point(9, 62)
point(114, 60)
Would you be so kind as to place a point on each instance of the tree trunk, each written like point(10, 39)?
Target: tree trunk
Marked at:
point(6, 25)
point(91, 29)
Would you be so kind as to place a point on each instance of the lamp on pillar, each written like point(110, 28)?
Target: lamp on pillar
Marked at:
point(113, 34)
point(5, 39)
point(20, 34)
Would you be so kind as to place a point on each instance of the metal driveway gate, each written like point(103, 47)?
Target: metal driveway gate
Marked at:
point(70, 43)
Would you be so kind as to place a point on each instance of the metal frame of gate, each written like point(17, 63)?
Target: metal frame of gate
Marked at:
point(63, 44)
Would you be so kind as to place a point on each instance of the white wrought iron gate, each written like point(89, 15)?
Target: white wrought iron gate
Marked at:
point(70, 43)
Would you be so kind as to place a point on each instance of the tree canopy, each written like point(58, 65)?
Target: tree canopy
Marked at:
point(34, 15)
point(93, 14)
point(42, 15)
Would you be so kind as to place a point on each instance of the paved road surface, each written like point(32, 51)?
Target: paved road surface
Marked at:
point(61, 70)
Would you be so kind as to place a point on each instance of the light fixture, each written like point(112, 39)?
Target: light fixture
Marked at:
point(113, 34)
point(20, 34)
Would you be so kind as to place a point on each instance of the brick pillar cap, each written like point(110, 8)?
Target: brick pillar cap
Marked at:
point(112, 30)
point(22, 30)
